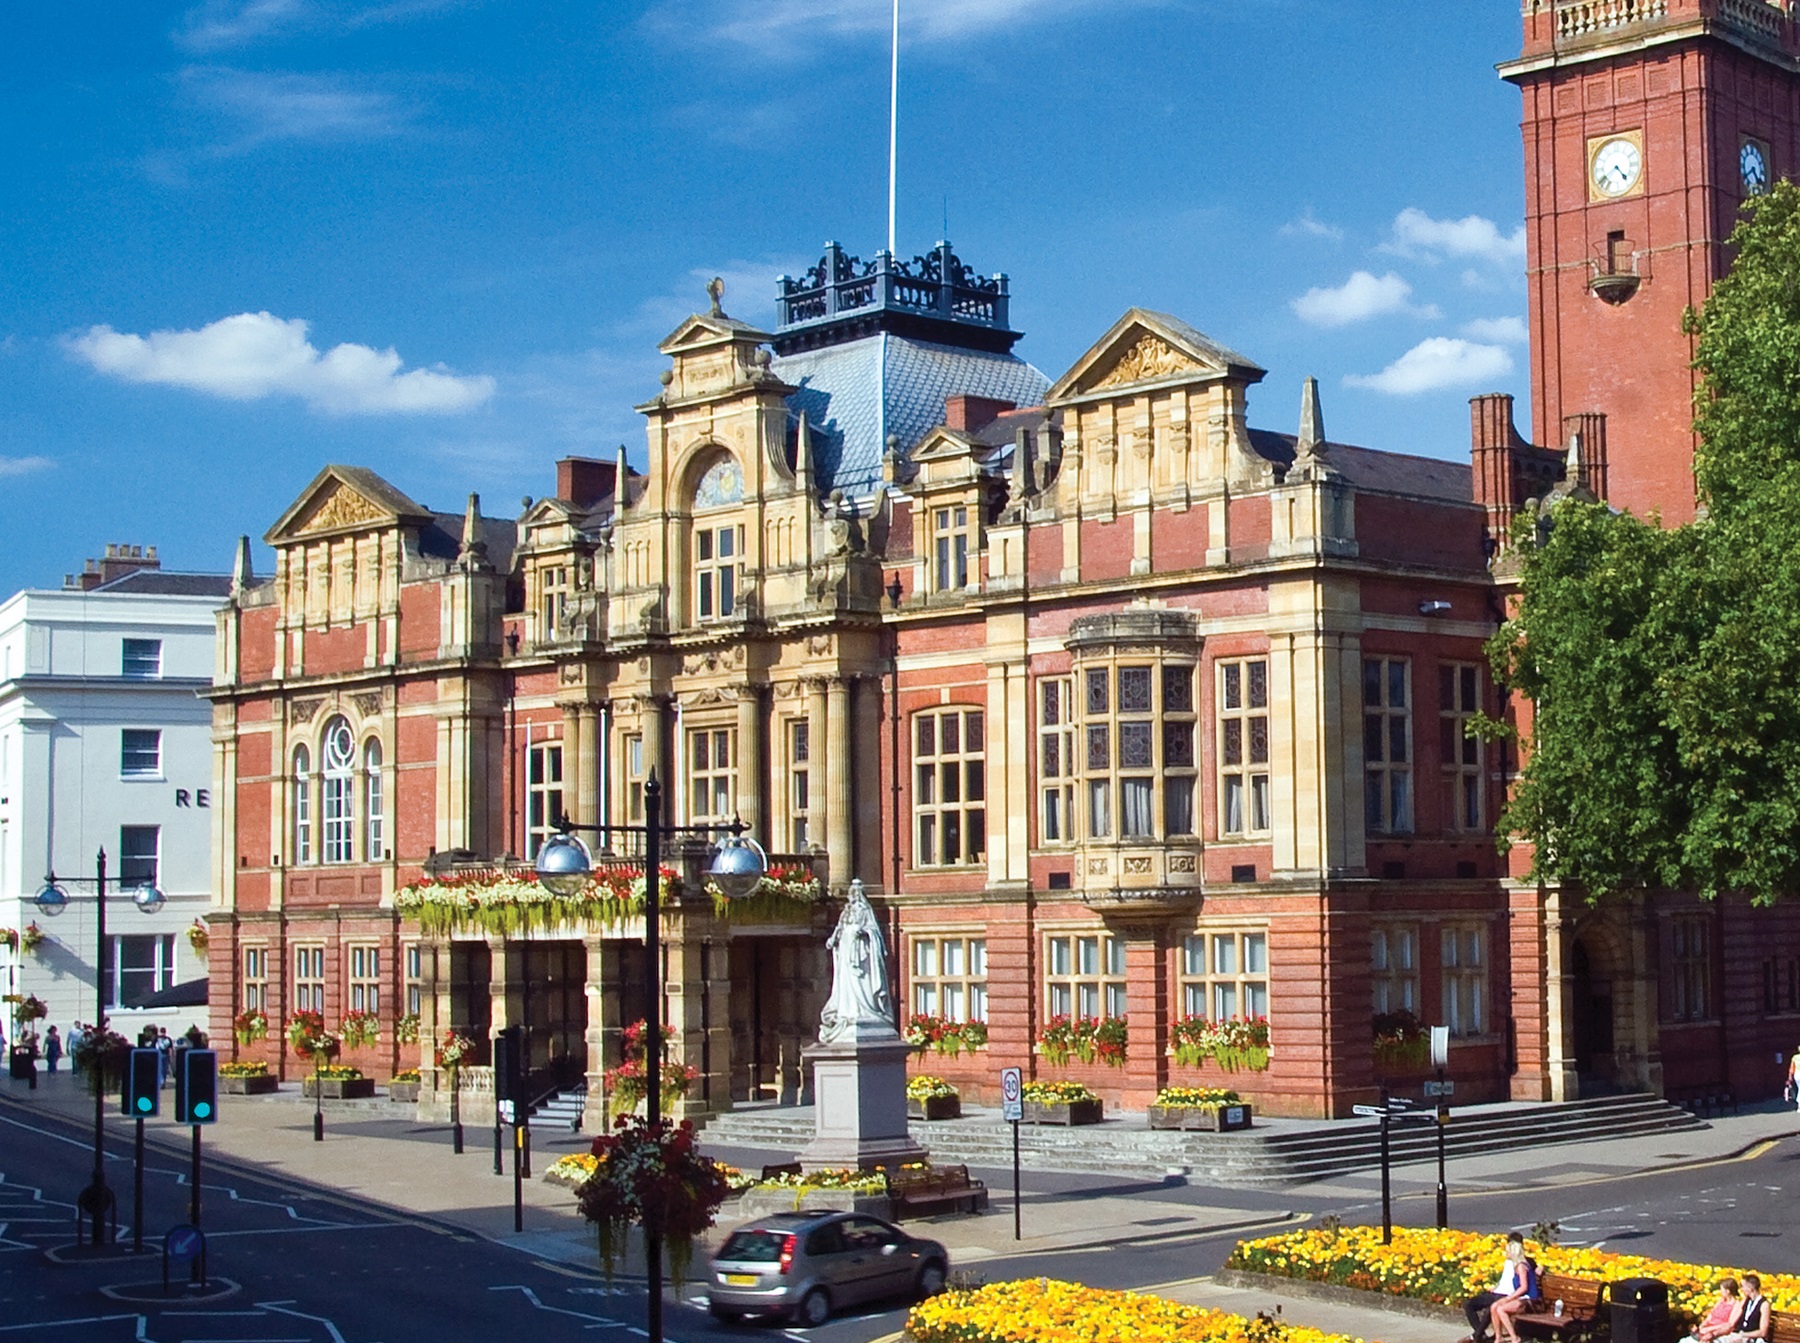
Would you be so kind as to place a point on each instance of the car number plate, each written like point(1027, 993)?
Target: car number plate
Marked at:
point(741, 1279)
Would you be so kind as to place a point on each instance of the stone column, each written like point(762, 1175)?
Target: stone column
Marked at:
point(698, 1015)
point(434, 1020)
point(865, 781)
point(819, 809)
point(575, 799)
point(603, 1023)
point(586, 765)
point(839, 841)
point(751, 771)
point(655, 728)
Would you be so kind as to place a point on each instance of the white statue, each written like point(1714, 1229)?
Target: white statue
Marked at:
point(859, 1007)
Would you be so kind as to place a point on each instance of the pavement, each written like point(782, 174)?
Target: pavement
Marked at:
point(373, 1156)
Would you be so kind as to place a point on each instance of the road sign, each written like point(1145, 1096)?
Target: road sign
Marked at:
point(184, 1242)
point(1440, 1046)
point(1440, 1088)
point(1369, 1111)
point(1012, 1103)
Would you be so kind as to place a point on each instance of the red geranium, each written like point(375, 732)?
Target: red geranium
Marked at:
point(655, 1178)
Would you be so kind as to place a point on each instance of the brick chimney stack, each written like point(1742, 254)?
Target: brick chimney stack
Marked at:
point(119, 560)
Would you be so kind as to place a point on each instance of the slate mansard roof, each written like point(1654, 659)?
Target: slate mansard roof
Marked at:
point(856, 394)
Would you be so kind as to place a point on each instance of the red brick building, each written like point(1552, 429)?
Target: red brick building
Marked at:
point(1123, 709)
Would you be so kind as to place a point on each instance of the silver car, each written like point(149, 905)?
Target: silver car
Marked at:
point(804, 1265)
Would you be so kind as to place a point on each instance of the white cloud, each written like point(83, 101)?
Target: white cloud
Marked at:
point(219, 24)
point(1435, 364)
point(1308, 225)
point(803, 26)
point(271, 107)
point(1498, 330)
point(256, 354)
point(1417, 234)
point(1358, 299)
point(24, 466)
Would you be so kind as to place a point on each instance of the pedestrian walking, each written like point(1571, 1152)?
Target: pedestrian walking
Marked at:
point(1792, 1094)
point(53, 1049)
point(165, 1054)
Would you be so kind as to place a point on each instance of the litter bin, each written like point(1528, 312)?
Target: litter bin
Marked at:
point(23, 1063)
point(1640, 1311)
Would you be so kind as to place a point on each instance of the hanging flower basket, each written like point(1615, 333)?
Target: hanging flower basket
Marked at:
point(406, 1030)
point(787, 893)
point(30, 1008)
point(625, 1085)
point(100, 1054)
point(31, 937)
point(199, 938)
point(359, 1028)
point(308, 1037)
point(453, 1050)
point(9, 938)
point(509, 905)
point(656, 1179)
point(250, 1026)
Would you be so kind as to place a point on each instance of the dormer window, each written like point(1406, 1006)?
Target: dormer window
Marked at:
point(718, 553)
point(553, 583)
point(950, 558)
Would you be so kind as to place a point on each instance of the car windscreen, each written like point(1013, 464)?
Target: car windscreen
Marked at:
point(753, 1246)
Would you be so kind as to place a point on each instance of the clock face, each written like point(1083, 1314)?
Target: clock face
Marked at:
point(1617, 166)
point(1753, 168)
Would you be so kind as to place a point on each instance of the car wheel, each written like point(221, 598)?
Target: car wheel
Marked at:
point(814, 1309)
point(724, 1314)
point(931, 1279)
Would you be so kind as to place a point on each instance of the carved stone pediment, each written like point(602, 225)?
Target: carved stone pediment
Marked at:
point(1146, 361)
point(341, 508)
point(345, 499)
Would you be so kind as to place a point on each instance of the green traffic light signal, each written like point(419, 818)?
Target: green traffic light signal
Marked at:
point(145, 1104)
point(202, 1110)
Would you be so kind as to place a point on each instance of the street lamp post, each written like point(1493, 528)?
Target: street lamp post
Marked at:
point(563, 867)
point(97, 1200)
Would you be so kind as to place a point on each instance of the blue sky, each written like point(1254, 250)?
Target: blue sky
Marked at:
point(440, 238)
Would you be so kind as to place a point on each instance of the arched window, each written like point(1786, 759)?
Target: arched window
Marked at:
point(302, 806)
point(718, 541)
point(337, 766)
point(374, 819)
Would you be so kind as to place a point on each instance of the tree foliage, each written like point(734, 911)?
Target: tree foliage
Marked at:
point(1664, 664)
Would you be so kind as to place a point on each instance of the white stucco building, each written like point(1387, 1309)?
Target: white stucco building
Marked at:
point(105, 744)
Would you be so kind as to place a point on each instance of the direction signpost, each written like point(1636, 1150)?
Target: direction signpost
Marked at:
point(1440, 1058)
point(1012, 1110)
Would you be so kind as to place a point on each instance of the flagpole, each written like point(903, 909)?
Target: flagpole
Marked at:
point(893, 126)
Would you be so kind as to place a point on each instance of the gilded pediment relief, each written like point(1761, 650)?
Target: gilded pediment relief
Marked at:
point(339, 509)
point(1146, 361)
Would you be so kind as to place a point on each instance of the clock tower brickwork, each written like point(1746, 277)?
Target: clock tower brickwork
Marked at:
point(1638, 115)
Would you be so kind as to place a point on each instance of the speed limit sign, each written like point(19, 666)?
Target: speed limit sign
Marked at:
point(1012, 1103)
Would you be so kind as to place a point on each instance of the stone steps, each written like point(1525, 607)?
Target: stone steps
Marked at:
point(1273, 1154)
point(563, 1110)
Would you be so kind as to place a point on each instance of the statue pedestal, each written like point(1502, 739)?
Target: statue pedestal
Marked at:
point(859, 1103)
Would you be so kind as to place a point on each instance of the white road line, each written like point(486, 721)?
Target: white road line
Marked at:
point(86, 1146)
point(293, 1230)
point(597, 1321)
point(279, 1307)
point(60, 1324)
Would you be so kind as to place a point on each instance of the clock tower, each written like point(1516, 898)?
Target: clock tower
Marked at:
point(1647, 123)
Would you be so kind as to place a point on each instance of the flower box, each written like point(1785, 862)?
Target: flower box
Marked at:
point(403, 1091)
point(1064, 1112)
point(765, 1202)
point(1204, 1118)
point(935, 1107)
point(261, 1085)
point(342, 1088)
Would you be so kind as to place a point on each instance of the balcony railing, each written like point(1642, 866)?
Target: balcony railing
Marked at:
point(936, 285)
point(1587, 17)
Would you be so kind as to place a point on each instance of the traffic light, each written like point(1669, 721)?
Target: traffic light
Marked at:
point(197, 1087)
point(143, 1085)
point(509, 1063)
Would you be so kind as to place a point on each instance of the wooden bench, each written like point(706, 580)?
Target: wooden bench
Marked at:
point(1784, 1326)
point(935, 1189)
point(1583, 1299)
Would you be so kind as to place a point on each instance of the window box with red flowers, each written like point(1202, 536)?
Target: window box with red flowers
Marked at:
point(939, 1036)
point(1089, 1039)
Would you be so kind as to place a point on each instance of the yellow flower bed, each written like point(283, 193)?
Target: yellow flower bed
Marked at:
point(1039, 1310)
point(572, 1170)
point(1450, 1266)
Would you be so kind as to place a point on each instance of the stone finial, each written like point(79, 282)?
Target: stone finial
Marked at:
point(473, 546)
point(715, 290)
point(803, 454)
point(1311, 443)
point(1572, 461)
point(241, 573)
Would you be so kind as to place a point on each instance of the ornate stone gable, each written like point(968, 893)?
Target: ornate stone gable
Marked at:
point(339, 509)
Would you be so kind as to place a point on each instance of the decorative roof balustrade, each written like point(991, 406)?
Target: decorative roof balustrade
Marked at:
point(1768, 21)
point(937, 285)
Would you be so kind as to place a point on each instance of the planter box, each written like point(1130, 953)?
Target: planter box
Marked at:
point(344, 1089)
point(403, 1091)
point(936, 1107)
point(1064, 1112)
point(250, 1086)
point(1203, 1118)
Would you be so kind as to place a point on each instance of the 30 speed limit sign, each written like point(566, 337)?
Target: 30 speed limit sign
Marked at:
point(1012, 1103)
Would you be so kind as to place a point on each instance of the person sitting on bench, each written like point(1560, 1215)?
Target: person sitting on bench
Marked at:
point(1753, 1324)
point(1723, 1317)
point(1479, 1307)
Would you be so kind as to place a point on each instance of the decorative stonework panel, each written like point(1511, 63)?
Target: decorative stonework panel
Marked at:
point(1149, 359)
point(343, 507)
point(722, 485)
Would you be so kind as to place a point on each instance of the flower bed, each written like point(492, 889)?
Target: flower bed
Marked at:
point(572, 1171)
point(1212, 1109)
point(932, 1098)
point(836, 1190)
point(935, 1034)
point(1447, 1267)
point(1060, 1103)
point(1040, 1310)
point(339, 1083)
point(786, 894)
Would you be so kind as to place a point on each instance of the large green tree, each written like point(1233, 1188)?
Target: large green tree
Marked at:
point(1664, 663)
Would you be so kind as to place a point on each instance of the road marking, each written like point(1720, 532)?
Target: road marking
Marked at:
point(576, 1273)
point(58, 1137)
point(279, 1307)
point(599, 1321)
point(91, 1319)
